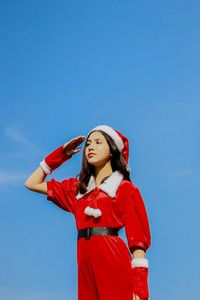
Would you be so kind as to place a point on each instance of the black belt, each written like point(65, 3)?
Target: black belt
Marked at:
point(87, 232)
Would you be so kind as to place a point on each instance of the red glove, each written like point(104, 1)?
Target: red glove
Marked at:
point(140, 277)
point(60, 155)
point(54, 160)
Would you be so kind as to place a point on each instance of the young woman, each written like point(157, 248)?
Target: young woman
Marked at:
point(103, 200)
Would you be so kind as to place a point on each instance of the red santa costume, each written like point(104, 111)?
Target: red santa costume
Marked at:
point(105, 266)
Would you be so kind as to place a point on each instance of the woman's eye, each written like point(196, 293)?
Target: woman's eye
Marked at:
point(89, 144)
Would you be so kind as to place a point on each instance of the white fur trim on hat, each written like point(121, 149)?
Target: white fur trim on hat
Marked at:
point(112, 133)
point(46, 169)
point(139, 262)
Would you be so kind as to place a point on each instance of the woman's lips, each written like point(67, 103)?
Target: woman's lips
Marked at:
point(91, 154)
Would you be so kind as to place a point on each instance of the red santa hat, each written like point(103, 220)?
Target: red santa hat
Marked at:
point(120, 140)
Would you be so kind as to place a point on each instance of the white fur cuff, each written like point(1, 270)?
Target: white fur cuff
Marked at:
point(139, 262)
point(46, 169)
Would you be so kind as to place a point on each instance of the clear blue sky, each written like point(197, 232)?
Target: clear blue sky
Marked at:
point(67, 66)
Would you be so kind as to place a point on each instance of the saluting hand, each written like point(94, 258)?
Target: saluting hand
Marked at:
point(61, 155)
point(70, 146)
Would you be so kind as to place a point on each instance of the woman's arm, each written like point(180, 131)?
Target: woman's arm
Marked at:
point(35, 181)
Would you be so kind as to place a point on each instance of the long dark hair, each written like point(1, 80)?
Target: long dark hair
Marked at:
point(117, 163)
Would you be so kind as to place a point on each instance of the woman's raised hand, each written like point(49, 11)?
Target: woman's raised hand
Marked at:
point(61, 154)
point(69, 147)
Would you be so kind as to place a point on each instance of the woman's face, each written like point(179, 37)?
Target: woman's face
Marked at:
point(98, 145)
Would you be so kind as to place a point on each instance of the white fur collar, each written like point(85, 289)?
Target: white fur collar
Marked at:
point(110, 185)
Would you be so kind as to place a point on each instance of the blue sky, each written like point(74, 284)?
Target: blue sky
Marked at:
point(67, 66)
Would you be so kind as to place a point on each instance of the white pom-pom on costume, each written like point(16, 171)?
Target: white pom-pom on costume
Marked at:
point(88, 211)
point(139, 262)
point(95, 212)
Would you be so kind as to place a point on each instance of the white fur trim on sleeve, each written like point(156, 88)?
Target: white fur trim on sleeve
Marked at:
point(139, 262)
point(47, 170)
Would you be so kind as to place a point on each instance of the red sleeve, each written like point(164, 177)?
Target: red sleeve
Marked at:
point(136, 221)
point(63, 194)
